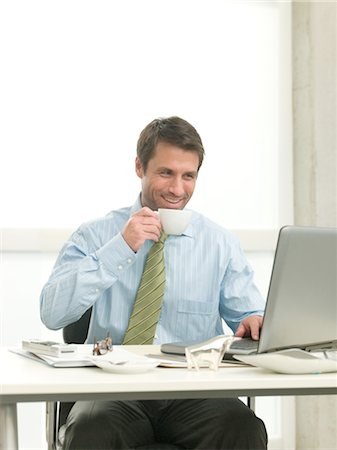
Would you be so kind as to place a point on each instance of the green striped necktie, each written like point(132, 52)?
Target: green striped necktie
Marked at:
point(147, 306)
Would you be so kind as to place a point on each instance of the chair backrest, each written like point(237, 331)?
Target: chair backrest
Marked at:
point(76, 333)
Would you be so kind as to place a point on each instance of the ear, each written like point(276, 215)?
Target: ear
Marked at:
point(139, 168)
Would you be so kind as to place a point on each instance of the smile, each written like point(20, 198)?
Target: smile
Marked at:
point(174, 201)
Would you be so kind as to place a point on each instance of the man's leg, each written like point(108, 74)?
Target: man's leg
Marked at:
point(98, 425)
point(211, 424)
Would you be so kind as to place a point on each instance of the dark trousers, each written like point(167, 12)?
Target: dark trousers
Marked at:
point(190, 424)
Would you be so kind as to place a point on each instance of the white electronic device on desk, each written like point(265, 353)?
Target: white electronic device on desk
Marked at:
point(293, 361)
point(50, 348)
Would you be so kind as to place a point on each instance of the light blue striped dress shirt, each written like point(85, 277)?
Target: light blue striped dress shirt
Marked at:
point(207, 279)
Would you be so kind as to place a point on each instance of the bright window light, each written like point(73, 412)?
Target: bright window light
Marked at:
point(81, 79)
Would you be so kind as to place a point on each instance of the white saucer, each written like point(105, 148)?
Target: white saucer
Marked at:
point(120, 360)
point(128, 367)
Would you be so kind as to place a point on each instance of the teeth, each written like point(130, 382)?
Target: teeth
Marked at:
point(172, 201)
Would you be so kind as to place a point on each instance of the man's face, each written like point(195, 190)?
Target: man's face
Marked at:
point(170, 177)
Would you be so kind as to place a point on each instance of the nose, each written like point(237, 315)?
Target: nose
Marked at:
point(176, 187)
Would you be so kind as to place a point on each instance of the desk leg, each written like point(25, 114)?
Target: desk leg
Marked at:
point(8, 427)
point(251, 403)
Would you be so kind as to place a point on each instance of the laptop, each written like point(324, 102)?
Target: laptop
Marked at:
point(301, 307)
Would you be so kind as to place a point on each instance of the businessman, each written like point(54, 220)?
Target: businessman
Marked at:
point(207, 280)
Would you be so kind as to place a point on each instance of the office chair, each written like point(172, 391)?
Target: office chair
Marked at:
point(57, 412)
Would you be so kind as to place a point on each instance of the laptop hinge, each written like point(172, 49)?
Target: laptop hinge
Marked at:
point(322, 346)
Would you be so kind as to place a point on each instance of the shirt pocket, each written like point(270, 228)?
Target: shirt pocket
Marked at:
point(195, 320)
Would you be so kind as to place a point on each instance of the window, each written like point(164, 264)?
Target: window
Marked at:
point(83, 79)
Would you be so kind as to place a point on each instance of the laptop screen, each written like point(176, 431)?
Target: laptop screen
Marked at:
point(301, 307)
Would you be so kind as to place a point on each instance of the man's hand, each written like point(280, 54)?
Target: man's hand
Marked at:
point(143, 225)
point(250, 327)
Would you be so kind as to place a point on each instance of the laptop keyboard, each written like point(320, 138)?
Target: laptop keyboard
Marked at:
point(244, 344)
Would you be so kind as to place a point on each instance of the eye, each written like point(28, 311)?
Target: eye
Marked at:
point(190, 176)
point(165, 172)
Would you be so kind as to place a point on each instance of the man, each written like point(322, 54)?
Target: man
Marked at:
point(207, 280)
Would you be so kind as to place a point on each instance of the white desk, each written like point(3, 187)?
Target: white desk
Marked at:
point(24, 380)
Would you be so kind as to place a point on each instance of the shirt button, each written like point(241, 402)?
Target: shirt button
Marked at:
point(129, 261)
point(96, 290)
point(120, 267)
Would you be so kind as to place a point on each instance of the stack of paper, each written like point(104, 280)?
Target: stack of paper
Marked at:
point(81, 358)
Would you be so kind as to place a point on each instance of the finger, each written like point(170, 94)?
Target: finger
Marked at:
point(152, 233)
point(241, 331)
point(146, 212)
point(255, 330)
point(145, 220)
point(148, 221)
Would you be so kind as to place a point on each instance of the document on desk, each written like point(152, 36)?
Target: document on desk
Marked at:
point(83, 358)
point(176, 361)
point(78, 359)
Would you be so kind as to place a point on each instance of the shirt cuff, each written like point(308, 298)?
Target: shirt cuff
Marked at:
point(116, 255)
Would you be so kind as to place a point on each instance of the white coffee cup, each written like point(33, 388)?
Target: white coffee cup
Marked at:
point(174, 221)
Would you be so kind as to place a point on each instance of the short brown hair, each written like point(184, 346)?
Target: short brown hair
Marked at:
point(172, 130)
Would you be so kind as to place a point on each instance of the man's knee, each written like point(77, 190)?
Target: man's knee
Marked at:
point(100, 425)
point(247, 430)
point(235, 426)
point(87, 427)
